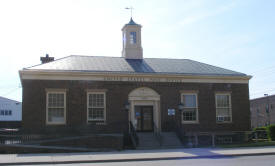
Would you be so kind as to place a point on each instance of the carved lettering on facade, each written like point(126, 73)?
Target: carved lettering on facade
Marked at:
point(112, 78)
point(141, 79)
point(173, 80)
point(136, 79)
point(154, 79)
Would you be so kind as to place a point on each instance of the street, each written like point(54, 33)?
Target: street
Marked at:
point(268, 160)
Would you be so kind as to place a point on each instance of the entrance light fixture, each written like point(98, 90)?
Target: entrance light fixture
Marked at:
point(127, 106)
point(180, 106)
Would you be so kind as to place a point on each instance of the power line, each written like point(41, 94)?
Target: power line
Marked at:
point(11, 91)
point(263, 69)
point(263, 75)
point(265, 91)
point(6, 86)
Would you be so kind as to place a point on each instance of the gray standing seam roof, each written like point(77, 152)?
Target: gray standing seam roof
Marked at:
point(134, 66)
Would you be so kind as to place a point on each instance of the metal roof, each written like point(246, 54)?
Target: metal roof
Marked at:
point(4, 99)
point(132, 22)
point(134, 66)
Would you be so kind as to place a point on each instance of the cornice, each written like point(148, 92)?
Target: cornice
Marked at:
point(134, 77)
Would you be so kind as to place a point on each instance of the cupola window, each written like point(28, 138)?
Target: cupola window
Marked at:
point(124, 40)
point(133, 37)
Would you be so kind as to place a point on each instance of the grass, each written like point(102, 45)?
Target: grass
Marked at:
point(249, 144)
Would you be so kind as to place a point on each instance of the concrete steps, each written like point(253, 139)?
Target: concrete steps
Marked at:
point(147, 140)
point(170, 139)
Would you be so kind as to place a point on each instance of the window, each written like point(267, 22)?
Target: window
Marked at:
point(56, 107)
point(96, 106)
point(124, 39)
point(190, 110)
point(133, 37)
point(267, 108)
point(223, 107)
point(5, 112)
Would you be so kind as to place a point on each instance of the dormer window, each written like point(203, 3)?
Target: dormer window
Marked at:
point(133, 37)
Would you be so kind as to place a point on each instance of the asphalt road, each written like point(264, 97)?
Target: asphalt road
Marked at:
point(227, 161)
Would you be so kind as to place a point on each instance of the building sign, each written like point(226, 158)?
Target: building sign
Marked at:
point(141, 79)
point(171, 112)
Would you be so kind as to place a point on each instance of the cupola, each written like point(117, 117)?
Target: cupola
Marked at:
point(131, 34)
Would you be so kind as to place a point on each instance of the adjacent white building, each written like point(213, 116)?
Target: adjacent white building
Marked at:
point(10, 110)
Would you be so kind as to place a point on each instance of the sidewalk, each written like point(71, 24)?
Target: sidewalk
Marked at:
point(131, 155)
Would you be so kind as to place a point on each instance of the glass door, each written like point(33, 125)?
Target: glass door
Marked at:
point(144, 118)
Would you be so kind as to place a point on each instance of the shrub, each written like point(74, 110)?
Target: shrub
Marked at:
point(260, 128)
point(271, 132)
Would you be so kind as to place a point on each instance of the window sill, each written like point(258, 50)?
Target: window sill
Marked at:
point(97, 122)
point(48, 123)
point(189, 122)
point(224, 122)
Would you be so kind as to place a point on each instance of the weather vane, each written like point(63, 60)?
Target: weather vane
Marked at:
point(131, 8)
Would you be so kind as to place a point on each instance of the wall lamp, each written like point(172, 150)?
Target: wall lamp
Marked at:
point(180, 106)
point(127, 106)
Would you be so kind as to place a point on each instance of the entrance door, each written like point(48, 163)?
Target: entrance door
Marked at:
point(144, 118)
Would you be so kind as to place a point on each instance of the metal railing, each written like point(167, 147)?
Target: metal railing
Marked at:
point(133, 135)
point(157, 134)
point(14, 136)
point(179, 131)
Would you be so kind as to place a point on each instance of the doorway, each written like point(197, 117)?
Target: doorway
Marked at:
point(144, 118)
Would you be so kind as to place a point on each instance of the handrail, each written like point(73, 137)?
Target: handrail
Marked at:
point(133, 135)
point(157, 133)
point(179, 132)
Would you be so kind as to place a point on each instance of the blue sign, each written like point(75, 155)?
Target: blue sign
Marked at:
point(137, 113)
point(171, 112)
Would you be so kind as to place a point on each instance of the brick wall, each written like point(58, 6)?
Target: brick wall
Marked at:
point(259, 115)
point(34, 105)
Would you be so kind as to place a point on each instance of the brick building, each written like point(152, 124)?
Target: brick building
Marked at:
point(262, 111)
point(198, 101)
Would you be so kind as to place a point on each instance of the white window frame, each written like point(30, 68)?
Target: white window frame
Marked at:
point(104, 110)
point(55, 91)
point(230, 106)
point(197, 112)
point(133, 37)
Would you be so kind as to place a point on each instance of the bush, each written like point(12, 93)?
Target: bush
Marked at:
point(260, 128)
point(260, 133)
point(271, 132)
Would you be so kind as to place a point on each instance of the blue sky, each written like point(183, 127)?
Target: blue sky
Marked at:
point(233, 34)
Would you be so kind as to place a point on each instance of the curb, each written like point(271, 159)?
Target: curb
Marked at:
point(138, 159)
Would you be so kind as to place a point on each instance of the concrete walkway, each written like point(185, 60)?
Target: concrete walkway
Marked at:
point(131, 155)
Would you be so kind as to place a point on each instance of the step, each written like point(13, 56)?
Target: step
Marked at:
point(147, 141)
point(170, 139)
